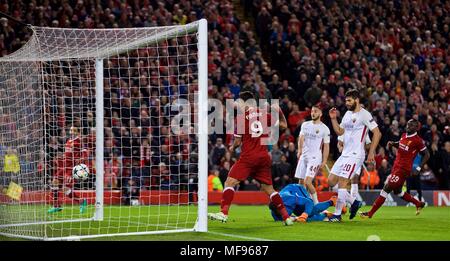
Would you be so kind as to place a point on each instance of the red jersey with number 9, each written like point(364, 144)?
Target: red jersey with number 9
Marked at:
point(254, 133)
point(408, 148)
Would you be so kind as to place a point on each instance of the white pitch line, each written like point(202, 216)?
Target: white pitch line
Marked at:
point(239, 236)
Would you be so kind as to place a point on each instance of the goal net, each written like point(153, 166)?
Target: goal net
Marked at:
point(131, 105)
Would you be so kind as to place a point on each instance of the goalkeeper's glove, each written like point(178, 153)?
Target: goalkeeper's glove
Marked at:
point(302, 218)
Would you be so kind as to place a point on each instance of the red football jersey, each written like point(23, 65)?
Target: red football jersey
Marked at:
point(255, 130)
point(72, 152)
point(408, 148)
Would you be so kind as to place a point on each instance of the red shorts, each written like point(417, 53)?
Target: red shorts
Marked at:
point(257, 168)
point(397, 179)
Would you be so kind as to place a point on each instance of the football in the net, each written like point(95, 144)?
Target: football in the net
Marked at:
point(80, 171)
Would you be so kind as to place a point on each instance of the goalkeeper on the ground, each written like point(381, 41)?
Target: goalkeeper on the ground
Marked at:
point(300, 205)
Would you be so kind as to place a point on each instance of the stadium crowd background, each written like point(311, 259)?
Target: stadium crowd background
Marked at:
point(396, 53)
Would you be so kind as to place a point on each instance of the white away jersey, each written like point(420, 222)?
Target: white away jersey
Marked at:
point(315, 136)
point(356, 126)
point(368, 140)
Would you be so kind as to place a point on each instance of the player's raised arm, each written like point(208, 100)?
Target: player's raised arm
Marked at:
point(281, 119)
point(336, 127)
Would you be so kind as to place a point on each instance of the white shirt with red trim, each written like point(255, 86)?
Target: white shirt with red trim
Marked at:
point(356, 126)
point(315, 136)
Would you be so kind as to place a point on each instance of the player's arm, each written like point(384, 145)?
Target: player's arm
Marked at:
point(336, 127)
point(373, 146)
point(325, 153)
point(326, 148)
point(370, 122)
point(394, 144)
point(301, 141)
point(236, 143)
point(368, 142)
point(281, 119)
point(340, 144)
point(425, 157)
point(308, 204)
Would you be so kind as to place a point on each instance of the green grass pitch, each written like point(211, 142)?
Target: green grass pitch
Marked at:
point(255, 223)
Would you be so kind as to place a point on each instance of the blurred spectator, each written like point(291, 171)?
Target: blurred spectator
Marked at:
point(291, 155)
point(11, 166)
point(370, 176)
point(224, 171)
point(276, 154)
point(214, 183)
point(218, 152)
point(383, 172)
point(444, 167)
point(281, 173)
point(381, 155)
point(296, 118)
point(131, 192)
point(428, 179)
point(433, 134)
point(110, 175)
point(321, 182)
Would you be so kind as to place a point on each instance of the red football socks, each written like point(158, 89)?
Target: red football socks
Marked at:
point(227, 197)
point(278, 202)
point(378, 203)
point(409, 198)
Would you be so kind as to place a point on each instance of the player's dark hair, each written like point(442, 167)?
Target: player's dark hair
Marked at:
point(353, 93)
point(414, 121)
point(318, 106)
point(246, 95)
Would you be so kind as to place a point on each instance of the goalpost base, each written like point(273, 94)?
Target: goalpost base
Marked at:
point(77, 238)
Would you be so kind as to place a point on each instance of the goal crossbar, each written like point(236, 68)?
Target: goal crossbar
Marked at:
point(106, 46)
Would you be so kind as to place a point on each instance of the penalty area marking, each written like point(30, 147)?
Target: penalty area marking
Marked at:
point(239, 236)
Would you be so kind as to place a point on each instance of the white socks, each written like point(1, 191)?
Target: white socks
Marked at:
point(340, 203)
point(349, 198)
point(354, 190)
point(335, 188)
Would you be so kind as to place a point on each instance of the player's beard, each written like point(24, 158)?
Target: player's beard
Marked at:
point(352, 107)
point(315, 118)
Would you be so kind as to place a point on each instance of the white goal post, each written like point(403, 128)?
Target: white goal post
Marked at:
point(111, 99)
